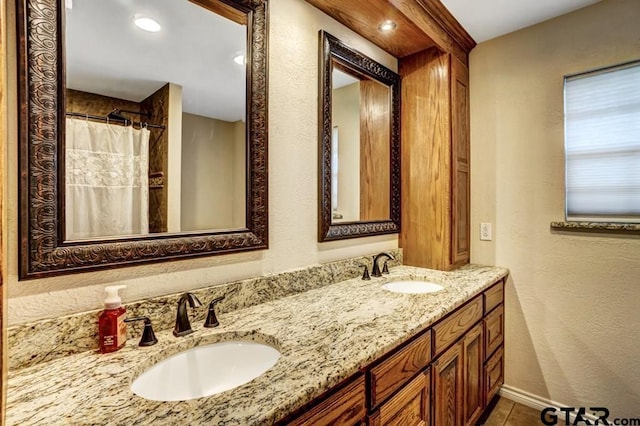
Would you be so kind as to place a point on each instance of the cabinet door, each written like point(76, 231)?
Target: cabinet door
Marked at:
point(344, 407)
point(389, 375)
point(494, 330)
point(447, 387)
point(460, 144)
point(473, 355)
point(409, 407)
point(493, 375)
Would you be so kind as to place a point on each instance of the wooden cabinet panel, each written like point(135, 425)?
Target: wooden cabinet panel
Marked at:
point(460, 149)
point(473, 353)
point(435, 160)
point(455, 325)
point(447, 387)
point(375, 151)
point(493, 375)
point(494, 330)
point(409, 407)
point(493, 297)
point(426, 155)
point(460, 244)
point(345, 407)
point(392, 373)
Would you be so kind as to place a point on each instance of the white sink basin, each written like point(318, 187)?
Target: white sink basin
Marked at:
point(412, 287)
point(205, 371)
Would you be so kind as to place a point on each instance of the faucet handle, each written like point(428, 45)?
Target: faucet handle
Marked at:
point(385, 267)
point(211, 320)
point(148, 336)
point(365, 273)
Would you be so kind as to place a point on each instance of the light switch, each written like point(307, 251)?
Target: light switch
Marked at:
point(485, 232)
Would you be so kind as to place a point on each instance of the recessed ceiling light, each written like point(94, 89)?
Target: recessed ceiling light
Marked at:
point(387, 25)
point(239, 59)
point(147, 24)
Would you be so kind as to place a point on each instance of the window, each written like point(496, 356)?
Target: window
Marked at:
point(602, 144)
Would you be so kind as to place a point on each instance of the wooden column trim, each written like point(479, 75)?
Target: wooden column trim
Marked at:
point(439, 13)
point(3, 144)
point(421, 24)
point(426, 160)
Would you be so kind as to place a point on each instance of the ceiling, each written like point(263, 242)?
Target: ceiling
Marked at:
point(108, 55)
point(487, 19)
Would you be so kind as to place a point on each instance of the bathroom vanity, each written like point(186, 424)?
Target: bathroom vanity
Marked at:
point(448, 372)
point(350, 351)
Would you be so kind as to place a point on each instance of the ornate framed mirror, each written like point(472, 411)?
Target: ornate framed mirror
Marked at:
point(359, 144)
point(142, 132)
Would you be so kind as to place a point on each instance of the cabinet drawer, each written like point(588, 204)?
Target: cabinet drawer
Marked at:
point(493, 297)
point(393, 372)
point(493, 375)
point(454, 326)
point(493, 330)
point(345, 407)
point(408, 407)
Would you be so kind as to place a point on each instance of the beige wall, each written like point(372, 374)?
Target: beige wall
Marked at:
point(240, 174)
point(210, 195)
point(345, 114)
point(573, 312)
point(293, 129)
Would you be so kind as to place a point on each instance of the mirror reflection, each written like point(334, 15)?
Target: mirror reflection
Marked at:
point(359, 162)
point(155, 137)
point(360, 147)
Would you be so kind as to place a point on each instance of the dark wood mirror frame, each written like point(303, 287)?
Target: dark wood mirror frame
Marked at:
point(43, 251)
point(333, 49)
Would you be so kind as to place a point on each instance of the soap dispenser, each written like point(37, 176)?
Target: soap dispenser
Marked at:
point(111, 326)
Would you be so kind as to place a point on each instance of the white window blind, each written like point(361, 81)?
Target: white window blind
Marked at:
point(602, 144)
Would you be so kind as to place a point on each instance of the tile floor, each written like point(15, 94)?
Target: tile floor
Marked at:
point(509, 413)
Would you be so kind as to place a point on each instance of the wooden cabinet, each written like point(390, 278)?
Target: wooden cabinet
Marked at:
point(493, 297)
point(493, 375)
point(456, 324)
point(460, 159)
point(392, 373)
point(409, 407)
point(493, 330)
point(435, 160)
point(447, 387)
point(457, 381)
point(472, 391)
point(493, 323)
point(343, 407)
point(407, 387)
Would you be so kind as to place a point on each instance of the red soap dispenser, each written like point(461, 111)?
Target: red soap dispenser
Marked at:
point(111, 326)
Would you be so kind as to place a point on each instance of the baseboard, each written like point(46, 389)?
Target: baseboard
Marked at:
point(536, 402)
point(526, 398)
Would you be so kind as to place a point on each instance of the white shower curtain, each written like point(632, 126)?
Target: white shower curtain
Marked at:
point(106, 181)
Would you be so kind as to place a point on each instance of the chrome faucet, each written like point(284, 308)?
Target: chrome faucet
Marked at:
point(183, 326)
point(376, 269)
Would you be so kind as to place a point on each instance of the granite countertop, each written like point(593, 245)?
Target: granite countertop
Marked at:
point(325, 335)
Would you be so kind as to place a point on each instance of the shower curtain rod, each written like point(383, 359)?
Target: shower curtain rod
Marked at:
point(109, 120)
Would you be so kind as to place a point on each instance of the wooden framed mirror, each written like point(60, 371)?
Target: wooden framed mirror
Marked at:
point(359, 144)
point(90, 73)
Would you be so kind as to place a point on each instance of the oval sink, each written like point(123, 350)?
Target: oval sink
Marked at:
point(412, 287)
point(205, 371)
